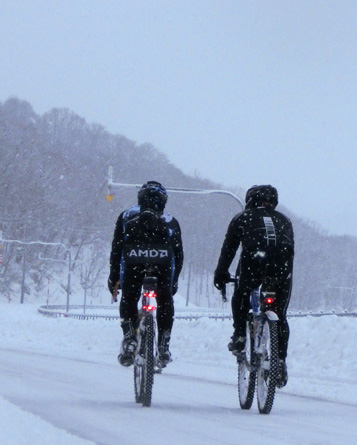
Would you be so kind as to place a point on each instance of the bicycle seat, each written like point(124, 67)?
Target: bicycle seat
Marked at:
point(150, 283)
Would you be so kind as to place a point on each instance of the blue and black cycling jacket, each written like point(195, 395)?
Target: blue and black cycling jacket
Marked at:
point(119, 240)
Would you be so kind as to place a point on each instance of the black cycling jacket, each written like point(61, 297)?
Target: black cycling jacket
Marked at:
point(259, 230)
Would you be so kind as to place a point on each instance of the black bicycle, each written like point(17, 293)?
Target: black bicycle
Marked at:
point(258, 363)
point(146, 362)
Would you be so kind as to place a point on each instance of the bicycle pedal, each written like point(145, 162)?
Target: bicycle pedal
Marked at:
point(240, 356)
point(161, 364)
point(126, 359)
point(139, 360)
point(238, 353)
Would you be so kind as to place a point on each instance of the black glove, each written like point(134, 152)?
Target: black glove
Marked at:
point(221, 278)
point(111, 284)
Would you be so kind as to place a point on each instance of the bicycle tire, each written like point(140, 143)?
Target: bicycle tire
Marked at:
point(144, 369)
point(246, 370)
point(138, 369)
point(267, 372)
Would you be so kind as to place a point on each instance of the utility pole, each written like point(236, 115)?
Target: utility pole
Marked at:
point(23, 276)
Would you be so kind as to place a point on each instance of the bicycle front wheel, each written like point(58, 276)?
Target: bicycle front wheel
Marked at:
point(246, 370)
point(144, 363)
point(268, 367)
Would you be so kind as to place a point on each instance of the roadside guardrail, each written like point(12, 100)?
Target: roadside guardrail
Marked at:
point(185, 313)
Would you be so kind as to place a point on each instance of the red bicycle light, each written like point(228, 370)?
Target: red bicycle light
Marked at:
point(268, 300)
point(150, 294)
point(149, 308)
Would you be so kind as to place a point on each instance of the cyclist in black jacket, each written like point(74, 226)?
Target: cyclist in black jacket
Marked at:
point(140, 233)
point(267, 240)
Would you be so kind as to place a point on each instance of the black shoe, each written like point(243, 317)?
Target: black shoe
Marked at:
point(282, 375)
point(126, 355)
point(126, 359)
point(236, 345)
point(164, 356)
point(164, 352)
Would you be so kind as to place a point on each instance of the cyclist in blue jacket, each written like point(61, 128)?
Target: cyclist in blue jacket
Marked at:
point(138, 230)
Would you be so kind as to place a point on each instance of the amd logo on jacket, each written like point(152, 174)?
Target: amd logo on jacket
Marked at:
point(148, 253)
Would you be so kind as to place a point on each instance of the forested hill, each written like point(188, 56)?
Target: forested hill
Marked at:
point(53, 183)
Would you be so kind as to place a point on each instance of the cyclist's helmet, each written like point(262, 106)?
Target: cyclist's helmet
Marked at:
point(152, 195)
point(260, 195)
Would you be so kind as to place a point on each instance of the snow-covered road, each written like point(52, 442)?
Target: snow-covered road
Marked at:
point(95, 401)
point(65, 372)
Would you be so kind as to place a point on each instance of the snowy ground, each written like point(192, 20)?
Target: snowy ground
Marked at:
point(45, 362)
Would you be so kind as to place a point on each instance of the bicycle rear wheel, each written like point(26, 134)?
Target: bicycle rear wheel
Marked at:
point(144, 363)
point(267, 372)
point(138, 370)
point(246, 370)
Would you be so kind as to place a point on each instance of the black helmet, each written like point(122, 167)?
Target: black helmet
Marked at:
point(261, 194)
point(152, 195)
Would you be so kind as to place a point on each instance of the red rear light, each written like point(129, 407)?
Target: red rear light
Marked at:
point(268, 300)
point(150, 294)
point(149, 308)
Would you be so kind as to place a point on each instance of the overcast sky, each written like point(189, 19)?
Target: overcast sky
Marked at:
point(239, 91)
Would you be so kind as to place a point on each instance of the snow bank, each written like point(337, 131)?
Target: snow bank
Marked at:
point(20, 427)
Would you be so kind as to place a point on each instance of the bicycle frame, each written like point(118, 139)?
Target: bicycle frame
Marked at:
point(263, 304)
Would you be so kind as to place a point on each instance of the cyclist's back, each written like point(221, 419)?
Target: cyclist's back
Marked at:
point(267, 240)
point(145, 237)
point(266, 228)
